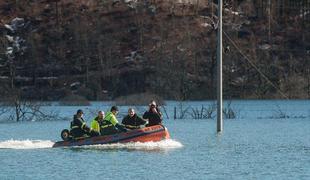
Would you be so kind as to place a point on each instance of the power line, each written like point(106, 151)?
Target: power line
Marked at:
point(255, 67)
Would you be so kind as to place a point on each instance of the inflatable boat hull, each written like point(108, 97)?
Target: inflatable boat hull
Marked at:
point(153, 133)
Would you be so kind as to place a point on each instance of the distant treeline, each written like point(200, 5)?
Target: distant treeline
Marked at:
point(95, 49)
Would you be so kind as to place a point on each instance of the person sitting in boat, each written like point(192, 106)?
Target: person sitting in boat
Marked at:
point(95, 123)
point(110, 123)
point(78, 127)
point(132, 120)
point(153, 115)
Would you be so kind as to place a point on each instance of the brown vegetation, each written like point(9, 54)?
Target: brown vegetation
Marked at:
point(106, 49)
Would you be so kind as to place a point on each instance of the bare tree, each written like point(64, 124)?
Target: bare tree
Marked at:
point(21, 110)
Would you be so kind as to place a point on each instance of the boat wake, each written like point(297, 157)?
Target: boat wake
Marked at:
point(25, 144)
point(147, 146)
point(39, 144)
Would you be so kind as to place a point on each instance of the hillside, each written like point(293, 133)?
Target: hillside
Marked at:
point(51, 49)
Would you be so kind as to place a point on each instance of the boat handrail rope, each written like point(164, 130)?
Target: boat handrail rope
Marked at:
point(255, 67)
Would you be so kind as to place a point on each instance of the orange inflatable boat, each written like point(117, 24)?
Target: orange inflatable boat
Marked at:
point(153, 133)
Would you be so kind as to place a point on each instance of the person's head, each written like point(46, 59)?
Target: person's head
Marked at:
point(101, 114)
point(79, 113)
point(114, 110)
point(131, 112)
point(152, 104)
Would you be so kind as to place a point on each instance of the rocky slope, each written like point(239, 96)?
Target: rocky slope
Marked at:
point(51, 49)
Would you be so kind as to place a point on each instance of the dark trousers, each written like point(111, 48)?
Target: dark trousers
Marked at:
point(77, 133)
point(108, 130)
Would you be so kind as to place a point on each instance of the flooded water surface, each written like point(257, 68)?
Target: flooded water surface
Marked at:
point(266, 140)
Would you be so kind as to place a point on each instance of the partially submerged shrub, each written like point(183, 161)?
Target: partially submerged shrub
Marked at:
point(229, 112)
point(21, 110)
point(280, 114)
point(202, 112)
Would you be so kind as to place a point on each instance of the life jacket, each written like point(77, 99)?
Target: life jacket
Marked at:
point(133, 122)
point(77, 123)
point(105, 124)
point(110, 119)
point(154, 118)
point(95, 124)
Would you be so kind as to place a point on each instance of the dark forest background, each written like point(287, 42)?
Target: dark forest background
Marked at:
point(106, 49)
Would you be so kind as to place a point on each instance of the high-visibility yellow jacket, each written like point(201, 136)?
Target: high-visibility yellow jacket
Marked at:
point(94, 125)
point(110, 117)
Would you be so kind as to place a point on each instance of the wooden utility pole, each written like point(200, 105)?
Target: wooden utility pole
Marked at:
point(219, 69)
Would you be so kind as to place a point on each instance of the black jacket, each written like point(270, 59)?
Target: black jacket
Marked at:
point(78, 127)
point(133, 122)
point(77, 121)
point(154, 118)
